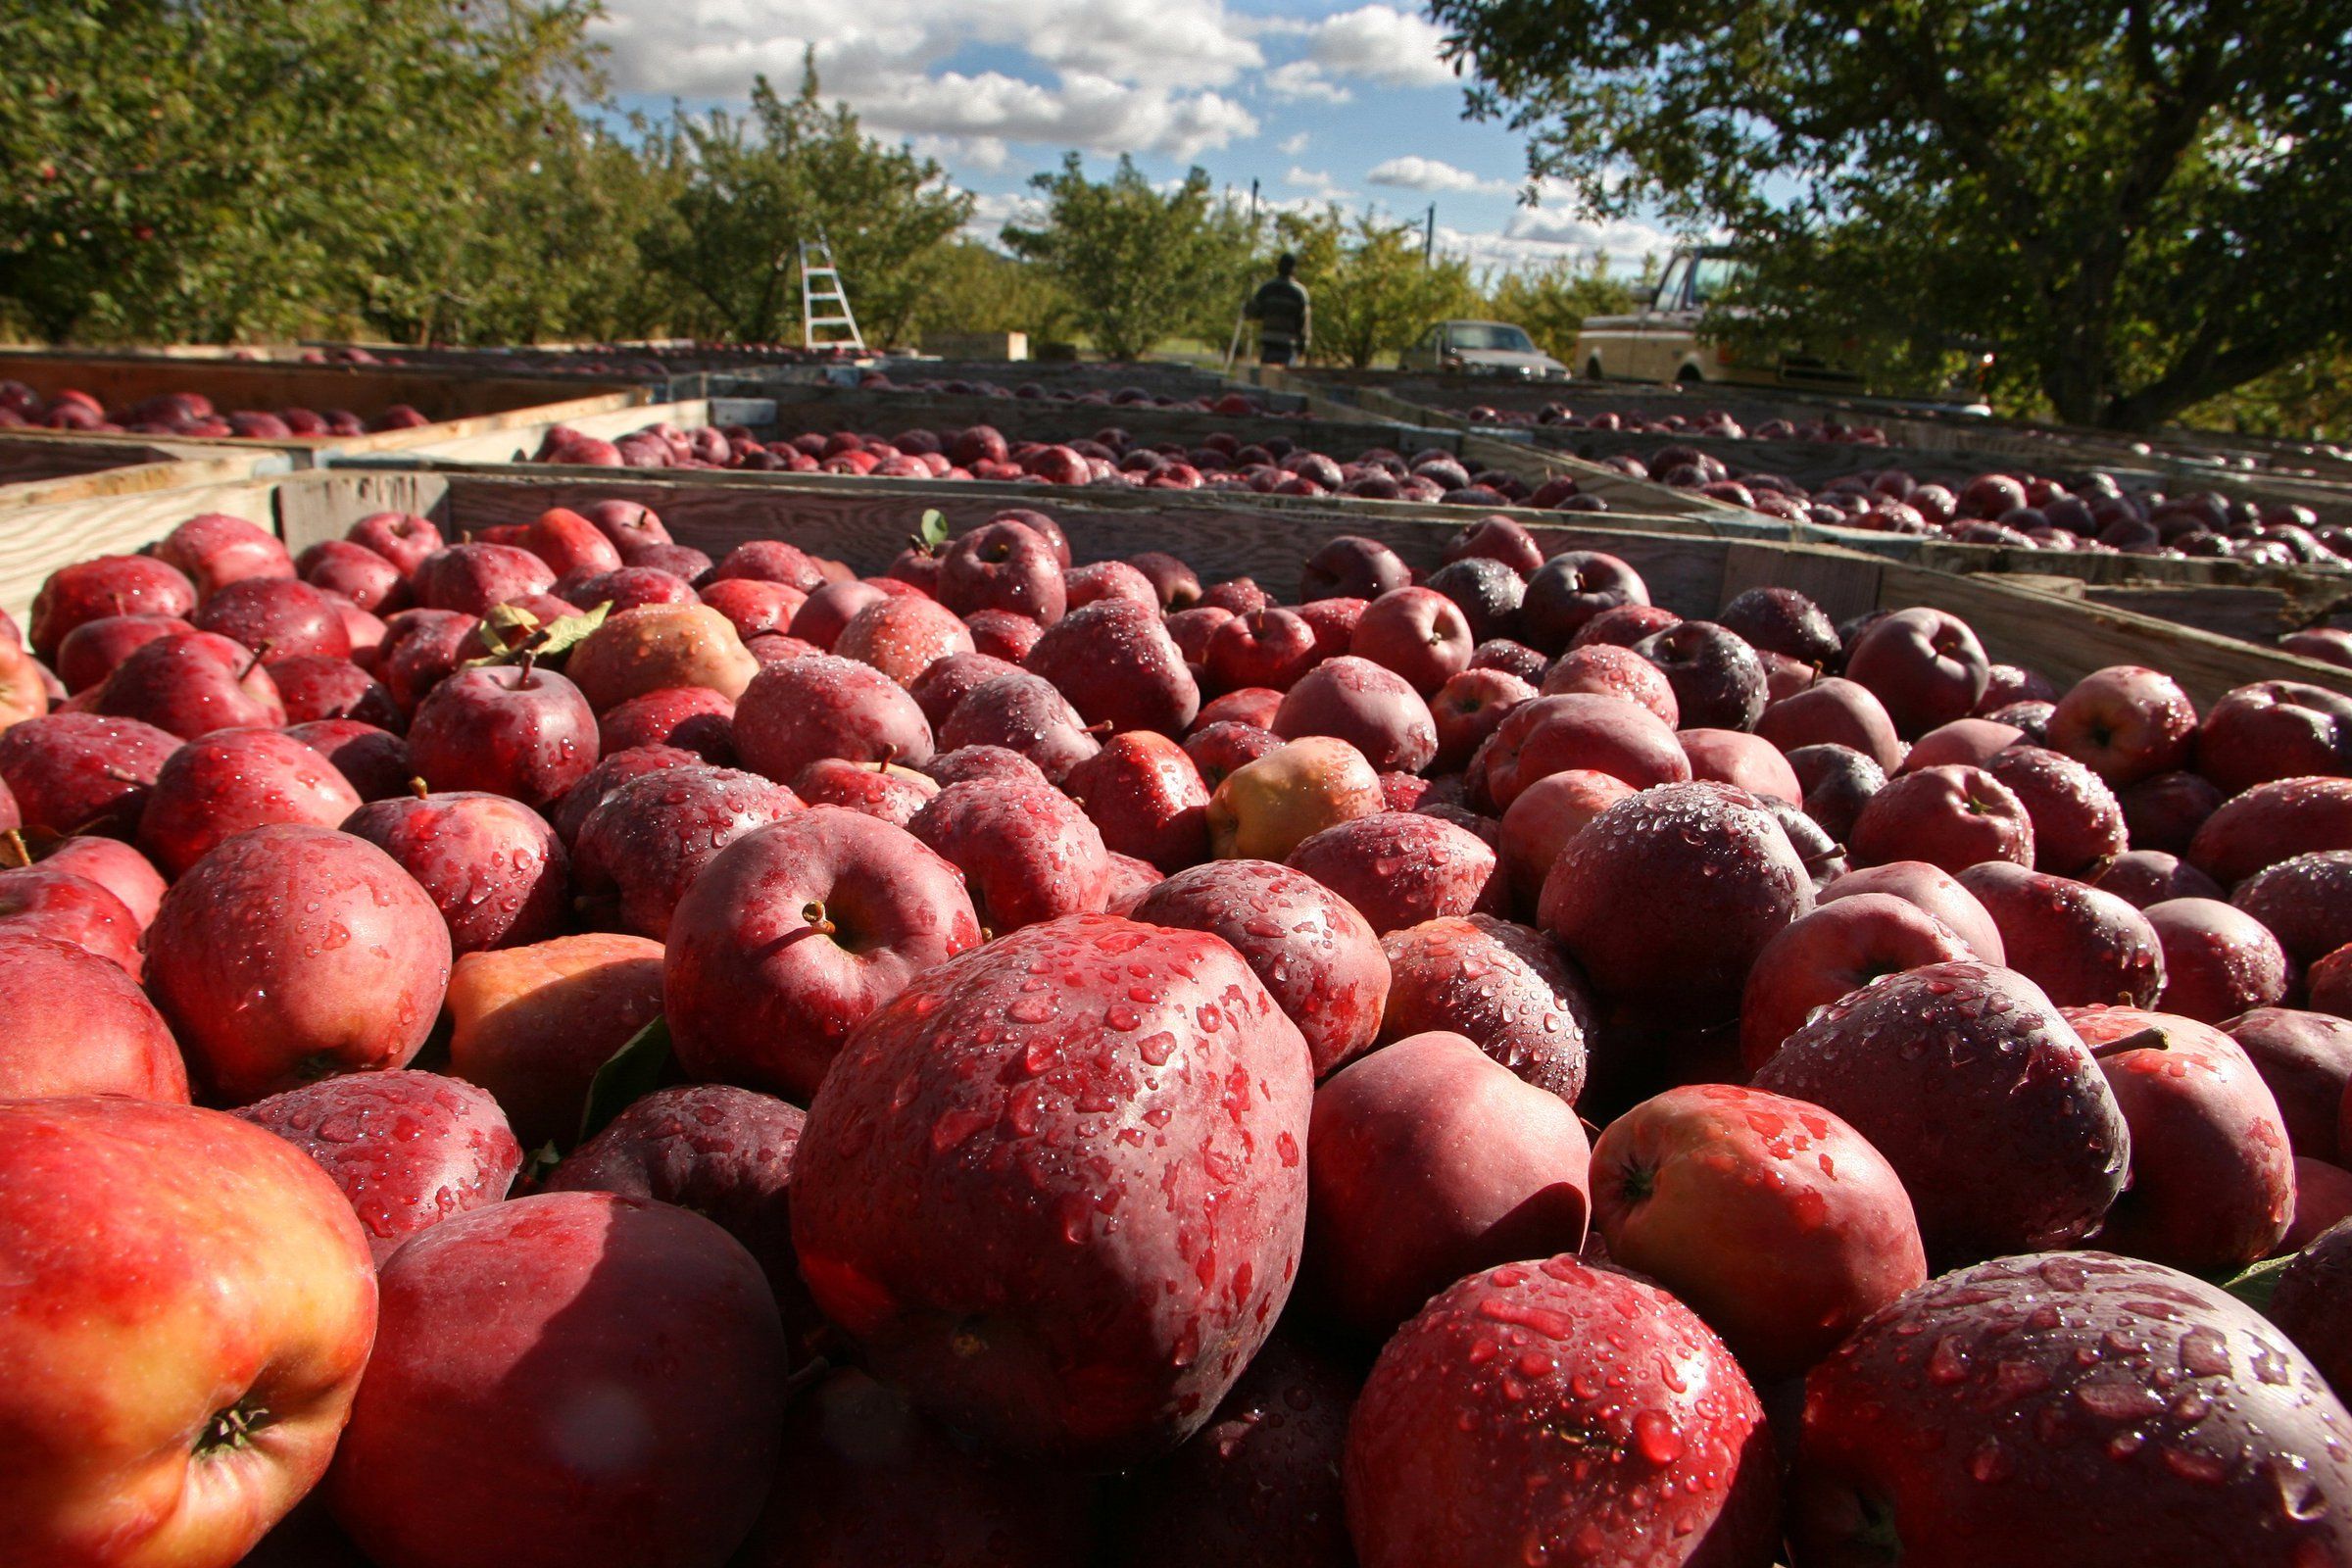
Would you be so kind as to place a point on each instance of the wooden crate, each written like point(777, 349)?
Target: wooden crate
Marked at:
point(40, 469)
point(460, 402)
point(867, 524)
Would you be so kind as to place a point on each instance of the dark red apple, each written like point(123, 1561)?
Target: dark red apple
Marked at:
point(1055, 1326)
point(277, 618)
point(492, 866)
point(1717, 679)
point(1268, 648)
point(1022, 713)
point(2273, 822)
point(1427, 1159)
point(1117, 666)
point(1842, 945)
point(2217, 961)
point(1783, 621)
point(2274, 729)
point(2213, 1183)
point(2081, 946)
point(555, 1336)
point(2306, 1058)
point(2305, 902)
point(795, 714)
point(1603, 669)
point(1418, 633)
point(1506, 988)
point(1003, 565)
point(1995, 1411)
point(2164, 812)
point(191, 686)
point(1372, 709)
point(1667, 897)
point(1835, 712)
point(1978, 1093)
point(1464, 1449)
point(1569, 590)
point(374, 761)
point(1147, 797)
point(1027, 853)
point(504, 729)
point(1933, 890)
point(1352, 566)
point(2077, 822)
point(1579, 731)
point(1399, 868)
point(1925, 666)
point(1953, 817)
point(644, 845)
point(83, 772)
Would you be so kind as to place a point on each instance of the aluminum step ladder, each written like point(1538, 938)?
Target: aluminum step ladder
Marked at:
point(822, 290)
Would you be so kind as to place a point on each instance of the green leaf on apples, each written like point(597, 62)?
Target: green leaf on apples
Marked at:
point(2257, 1285)
point(543, 643)
point(934, 531)
point(627, 1076)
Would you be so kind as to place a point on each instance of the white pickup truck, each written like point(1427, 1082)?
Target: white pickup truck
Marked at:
point(1661, 341)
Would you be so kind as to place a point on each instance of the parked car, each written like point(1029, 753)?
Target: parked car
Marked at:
point(1661, 341)
point(1481, 348)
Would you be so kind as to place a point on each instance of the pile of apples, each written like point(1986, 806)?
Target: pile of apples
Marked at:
point(186, 414)
point(1238, 404)
point(2021, 511)
point(1012, 1062)
point(1715, 423)
point(1271, 466)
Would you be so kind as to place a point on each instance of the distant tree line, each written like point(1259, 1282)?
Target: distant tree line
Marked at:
point(453, 171)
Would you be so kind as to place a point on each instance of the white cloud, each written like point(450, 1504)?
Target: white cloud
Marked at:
point(1519, 243)
point(1380, 44)
point(1303, 80)
point(1415, 172)
point(1314, 182)
point(1292, 146)
point(1128, 74)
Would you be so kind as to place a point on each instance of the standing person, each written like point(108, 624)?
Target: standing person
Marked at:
point(1283, 315)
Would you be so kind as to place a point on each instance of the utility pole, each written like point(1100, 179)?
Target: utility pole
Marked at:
point(1429, 236)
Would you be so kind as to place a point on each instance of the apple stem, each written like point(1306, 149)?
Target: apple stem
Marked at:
point(1099, 727)
point(16, 856)
point(2149, 1039)
point(419, 787)
point(814, 911)
point(258, 654)
point(890, 755)
point(529, 661)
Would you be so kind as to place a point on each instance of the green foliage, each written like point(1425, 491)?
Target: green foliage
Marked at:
point(1552, 302)
point(249, 167)
point(1373, 293)
point(2307, 399)
point(975, 290)
point(756, 185)
point(2141, 207)
point(1137, 264)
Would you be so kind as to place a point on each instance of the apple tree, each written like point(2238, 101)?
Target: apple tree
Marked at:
point(1140, 264)
point(756, 185)
point(2140, 206)
point(1373, 293)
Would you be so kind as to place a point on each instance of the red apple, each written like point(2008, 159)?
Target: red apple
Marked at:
point(1953, 817)
point(1117, 666)
point(1352, 566)
point(2305, 902)
point(1316, 955)
point(1267, 648)
point(1506, 988)
point(504, 729)
point(694, 718)
point(1835, 712)
point(655, 647)
point(2274, 729)
point(214, 788)
point(96, 649)
point(646, 843)
point(1462, 1450)
point(903, 636)
point(1267, 808)
point(1571, 588)
point(96, 1034)
point(880, 790)
point(293, 951)
point(206, 1264)
point(2126, 723)
point(2217, 961)
point(475, 578)
point(1579, 731)
point(114, 866)
point(2268, 823)
point(1931, 889)
point(1992, 1412)
point(2077, 822)
point(105, 587)
point(1604, 669)
point(792, 714)
point(1073, 1324)
point(2164, 812)
point(1773, 1219)
point(1399, 868)
point(1028, 853)
point(408, 1149)
point(1668, 896)
point(2213, 1183)
point(1428, 1159)
point(492, 866)
point(1978, 1093)
point(2081, 946)
point(574, 1378)
point(1147, 799)
point(44, 901)
point(402, 538)
point(1717, 679)
point(1925, 666)
point(2306, 1059)
point(1418, 633)
point(1843, 945)
point(1743, 761)
point(374, 762)
point(1003, 565)
point(1783, 621)
point(275, 617)
point(192, 686)
point(1024, 714)
point(795, 933)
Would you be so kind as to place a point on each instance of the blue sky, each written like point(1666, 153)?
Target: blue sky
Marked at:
point(1314, 101)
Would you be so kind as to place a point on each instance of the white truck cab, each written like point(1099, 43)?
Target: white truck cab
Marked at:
point(1661, 341)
